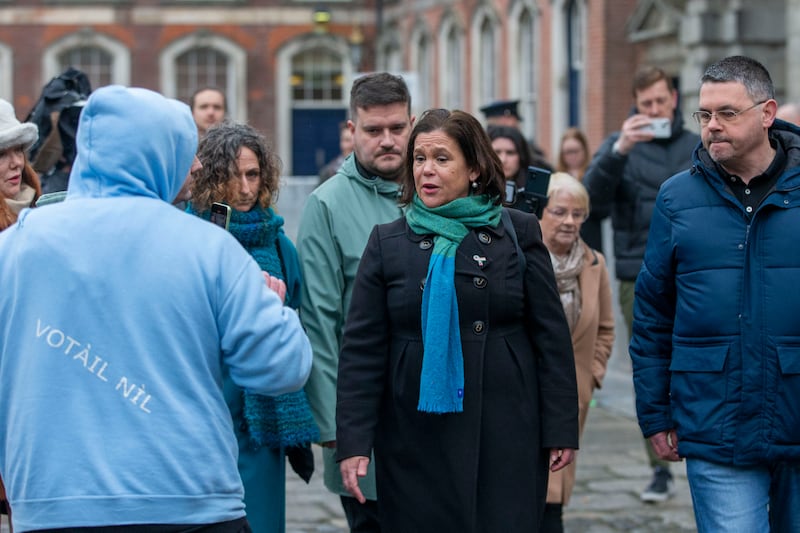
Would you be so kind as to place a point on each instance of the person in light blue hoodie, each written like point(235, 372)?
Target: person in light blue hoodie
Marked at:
point(119, 317)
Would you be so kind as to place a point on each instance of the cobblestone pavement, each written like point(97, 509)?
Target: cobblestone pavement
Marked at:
point(612, 470)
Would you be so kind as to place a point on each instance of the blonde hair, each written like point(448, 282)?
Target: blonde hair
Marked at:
point(566, 183)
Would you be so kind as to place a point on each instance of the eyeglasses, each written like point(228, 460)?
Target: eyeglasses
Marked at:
point(560, 214)
point(724, 115)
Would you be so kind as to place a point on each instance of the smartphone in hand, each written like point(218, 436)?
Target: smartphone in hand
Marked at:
point(220, 214)
point(661, 128)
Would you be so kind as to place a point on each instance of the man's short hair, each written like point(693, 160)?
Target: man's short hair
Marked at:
point(379, 88)
point(745, 70)
point(209, 88)
point(647, 76)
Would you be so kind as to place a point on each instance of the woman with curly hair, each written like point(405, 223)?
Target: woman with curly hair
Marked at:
point(239, 170)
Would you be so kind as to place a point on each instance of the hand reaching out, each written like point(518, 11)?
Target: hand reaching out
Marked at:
point(276, 284)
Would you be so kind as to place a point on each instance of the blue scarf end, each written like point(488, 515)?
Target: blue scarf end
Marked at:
point(450, 404)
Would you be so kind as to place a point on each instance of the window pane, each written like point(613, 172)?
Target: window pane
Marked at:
point(317, 75)
point(91, 60)
point(453, 66)
point(198, 68)
point(488, 60)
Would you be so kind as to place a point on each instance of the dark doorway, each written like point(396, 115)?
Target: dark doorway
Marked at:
point(315, 138)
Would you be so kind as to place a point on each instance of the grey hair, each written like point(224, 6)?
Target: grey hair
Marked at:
point(568, 184)
point(745, 70)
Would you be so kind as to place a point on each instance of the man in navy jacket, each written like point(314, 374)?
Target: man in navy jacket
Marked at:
point(716, 337)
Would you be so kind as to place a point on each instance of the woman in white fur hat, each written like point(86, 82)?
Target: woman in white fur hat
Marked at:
point(19, 184)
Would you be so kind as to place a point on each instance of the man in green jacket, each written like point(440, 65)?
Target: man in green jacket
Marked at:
point(336, 223)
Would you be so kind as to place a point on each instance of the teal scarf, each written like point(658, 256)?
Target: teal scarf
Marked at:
point(272, 421)
point(441, 387)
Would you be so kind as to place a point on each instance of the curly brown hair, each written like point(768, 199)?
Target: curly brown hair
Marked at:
point(219, 152)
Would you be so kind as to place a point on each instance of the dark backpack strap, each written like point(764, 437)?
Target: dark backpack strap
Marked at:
point(509, 226)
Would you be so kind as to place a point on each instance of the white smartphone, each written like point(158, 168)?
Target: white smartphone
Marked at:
point(660, 127)
point(220, 214)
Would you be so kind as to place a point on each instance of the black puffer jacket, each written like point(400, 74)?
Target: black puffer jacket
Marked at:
point(626, 186)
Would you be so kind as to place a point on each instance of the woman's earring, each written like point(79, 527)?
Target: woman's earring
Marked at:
point(474, 185)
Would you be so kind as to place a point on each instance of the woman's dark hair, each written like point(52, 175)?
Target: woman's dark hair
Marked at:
point(219, 152)
point(520, 144)
point(474, 144)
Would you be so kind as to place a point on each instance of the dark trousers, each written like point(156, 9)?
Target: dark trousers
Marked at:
point(361, 517)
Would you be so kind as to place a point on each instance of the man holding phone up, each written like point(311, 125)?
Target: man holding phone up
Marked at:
point(623, 179)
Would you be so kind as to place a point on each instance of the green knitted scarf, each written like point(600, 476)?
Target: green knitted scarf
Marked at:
point(442, 381)
point(285, 420)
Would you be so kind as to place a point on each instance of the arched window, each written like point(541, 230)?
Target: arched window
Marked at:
point(197, 68)
point(423, 66)
point(203, 59)
point(390, 58)
point(451, 86)
point(91, 60)
point(485, 61)
point(524, 58)
point(317, 75)
point(576, 32)
point(488, 55)
point(312, 86)
point(104, 60)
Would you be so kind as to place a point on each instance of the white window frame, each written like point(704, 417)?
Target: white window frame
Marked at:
point(451, 83)
point(481, 71)
point(422, 63)
point(525, 90)
point(236, 88)
point(120, 55)
point(6, 73)
point(283, 91)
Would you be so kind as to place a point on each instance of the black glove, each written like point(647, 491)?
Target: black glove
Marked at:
point(301, 458)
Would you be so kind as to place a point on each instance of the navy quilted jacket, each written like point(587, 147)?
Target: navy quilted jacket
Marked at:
point(716, 333)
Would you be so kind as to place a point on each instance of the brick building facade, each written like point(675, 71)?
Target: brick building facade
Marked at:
point(287, 65)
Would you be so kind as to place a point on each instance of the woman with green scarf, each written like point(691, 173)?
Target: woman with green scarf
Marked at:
point(241, 172)
point(456, 365)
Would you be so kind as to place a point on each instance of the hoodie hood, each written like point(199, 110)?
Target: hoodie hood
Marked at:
point(132, 142)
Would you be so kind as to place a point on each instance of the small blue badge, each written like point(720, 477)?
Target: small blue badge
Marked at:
point(460, 393)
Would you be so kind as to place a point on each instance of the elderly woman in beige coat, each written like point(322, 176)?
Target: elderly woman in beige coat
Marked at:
point(585, 290)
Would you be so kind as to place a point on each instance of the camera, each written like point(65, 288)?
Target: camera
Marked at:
point(533, 197)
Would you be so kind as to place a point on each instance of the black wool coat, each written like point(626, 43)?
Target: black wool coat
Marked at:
point(484, 469)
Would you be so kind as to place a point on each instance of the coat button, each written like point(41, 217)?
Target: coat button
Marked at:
point(422, 284)
point(484, 237)
point(477, 327)
point(479, 282)
point(425, 244)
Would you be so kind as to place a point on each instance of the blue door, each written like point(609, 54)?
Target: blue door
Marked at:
point(315, 138)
